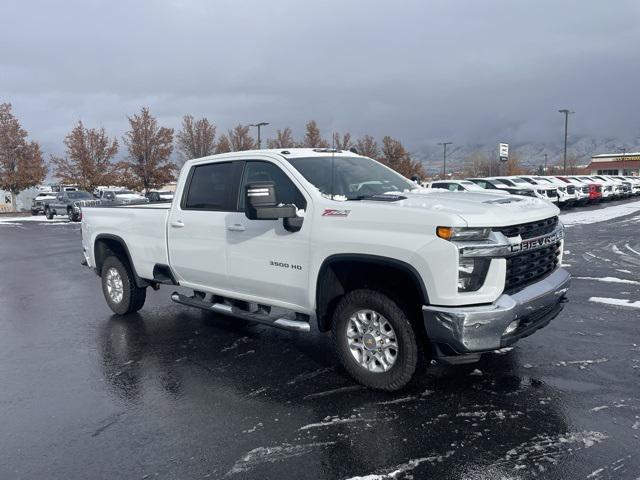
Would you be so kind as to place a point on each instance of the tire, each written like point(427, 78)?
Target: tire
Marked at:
point(73, 217)
point(34, 212)
point(48, 213)
point(355, 305)
point(116, 274)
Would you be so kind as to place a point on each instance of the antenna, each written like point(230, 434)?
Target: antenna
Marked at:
point(333, 150)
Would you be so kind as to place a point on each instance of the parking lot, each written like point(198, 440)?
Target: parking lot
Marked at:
point(174, 392)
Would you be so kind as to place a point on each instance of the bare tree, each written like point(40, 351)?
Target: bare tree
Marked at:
point(395, 156)
point(512, 165)
point(21, 162)
point(342, 142)
point(240, 139)
point(148, 165)
point(284, 139)
point(368, 147)
point(477, 164)
point(88, 162)
point(223, 145)
point(196, 138)
point(312, 137)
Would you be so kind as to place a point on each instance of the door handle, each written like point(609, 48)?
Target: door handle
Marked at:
point(177, 224)
point(236, 227)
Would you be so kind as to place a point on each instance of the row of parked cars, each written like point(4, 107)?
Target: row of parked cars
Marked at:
point(561, 189)
point(69, 200)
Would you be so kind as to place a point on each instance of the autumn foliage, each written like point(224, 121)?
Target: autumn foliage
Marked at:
point(149, 147)
point(21, 162)
point(196, 139)
point(88, 162)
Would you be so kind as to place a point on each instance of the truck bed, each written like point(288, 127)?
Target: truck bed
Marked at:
point(142, 227)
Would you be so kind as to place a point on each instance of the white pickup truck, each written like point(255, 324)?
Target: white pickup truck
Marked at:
point(322, 238)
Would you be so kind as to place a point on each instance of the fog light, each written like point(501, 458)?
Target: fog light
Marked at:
point(512, 327)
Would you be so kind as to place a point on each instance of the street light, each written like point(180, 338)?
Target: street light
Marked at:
point(566, 124)
point(444, 158)
point(261, 124)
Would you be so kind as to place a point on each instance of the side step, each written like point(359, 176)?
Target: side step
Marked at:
point(283, 323)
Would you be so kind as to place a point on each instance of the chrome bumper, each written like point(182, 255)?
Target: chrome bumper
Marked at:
point(472, 330)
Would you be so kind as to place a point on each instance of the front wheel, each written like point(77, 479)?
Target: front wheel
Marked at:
point(119, 287)
point(48, 213)
point(375, 340)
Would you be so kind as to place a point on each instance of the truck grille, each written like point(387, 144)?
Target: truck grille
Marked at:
point(528, 267)
point(571, 189)
point(585, 189)
point(552, 193)
point(529, 230)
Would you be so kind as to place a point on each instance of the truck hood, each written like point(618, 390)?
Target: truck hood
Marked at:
point(479, 209)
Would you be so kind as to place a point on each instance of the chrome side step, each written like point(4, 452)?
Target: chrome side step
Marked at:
point(283, 323)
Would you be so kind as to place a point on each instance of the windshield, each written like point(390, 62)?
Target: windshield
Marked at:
point(542, 180)
point(471, 186)
point(518, 180)
point(353, 177)
point(79, 195)
point(504, 181)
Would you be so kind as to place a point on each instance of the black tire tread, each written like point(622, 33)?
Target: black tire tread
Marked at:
point(133, 297)
point(403, 370)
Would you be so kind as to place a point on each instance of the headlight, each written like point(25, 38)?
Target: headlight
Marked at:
point(463, 233)
point(471, 273)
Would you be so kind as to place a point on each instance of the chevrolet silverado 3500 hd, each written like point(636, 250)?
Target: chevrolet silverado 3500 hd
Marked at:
point(298, 238)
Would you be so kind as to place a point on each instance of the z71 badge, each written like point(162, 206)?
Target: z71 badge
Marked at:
point(538, 242)
point(330, 212)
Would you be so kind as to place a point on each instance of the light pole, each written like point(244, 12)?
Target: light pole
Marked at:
point(261, 124)
point(545, 163)
point(566, 125)
point(444, 158)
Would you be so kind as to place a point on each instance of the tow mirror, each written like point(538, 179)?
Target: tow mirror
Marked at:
point(261, 203)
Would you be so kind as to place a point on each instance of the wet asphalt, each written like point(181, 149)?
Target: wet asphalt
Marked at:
point(175, 393)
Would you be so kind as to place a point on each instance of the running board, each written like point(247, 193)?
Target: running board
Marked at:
point(283, 323)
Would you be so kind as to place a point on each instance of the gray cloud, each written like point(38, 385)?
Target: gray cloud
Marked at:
point(473, 71)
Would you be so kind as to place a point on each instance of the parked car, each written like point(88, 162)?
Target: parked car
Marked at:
point(38, 203)
point(635, 182)
point(491, 184)
point(121, 197)
point(582, 189)
point(607, 187)
point(543, 188)
point(160, 196)
point(335, 239)
point(69, 203)
point(567, 195)
point(461, 186)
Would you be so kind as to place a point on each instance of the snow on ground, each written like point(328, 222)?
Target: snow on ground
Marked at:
point(33, 218)
point(600, 215)
point(609, 280)
point(621, 302)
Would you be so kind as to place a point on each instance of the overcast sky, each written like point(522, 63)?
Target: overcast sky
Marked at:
point(422, 71)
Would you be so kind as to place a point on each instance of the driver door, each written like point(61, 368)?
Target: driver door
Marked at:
point(263, 258)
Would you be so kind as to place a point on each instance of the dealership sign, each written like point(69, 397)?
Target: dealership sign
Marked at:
point(504, 151)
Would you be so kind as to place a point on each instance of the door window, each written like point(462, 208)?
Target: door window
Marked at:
point(213, 187)
point(286, 191)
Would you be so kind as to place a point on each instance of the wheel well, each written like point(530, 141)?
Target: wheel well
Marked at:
point(105, 246)
point(344, 274)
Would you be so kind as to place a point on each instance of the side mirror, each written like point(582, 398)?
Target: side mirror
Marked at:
point(261, 203)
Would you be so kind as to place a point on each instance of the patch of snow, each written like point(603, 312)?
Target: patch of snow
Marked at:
point(616, 250)
point(476, 373)
point(33, 218)
point(351, 388)
point(503, 351)
point(600, 215)
point(274, 454)
point(309, 375)
point(622, 270)
point(398, 400)
point(330, 421)
point(403, 468)
point(626, 245)
point(235, 344)
point(609, 280)
point(620, 302)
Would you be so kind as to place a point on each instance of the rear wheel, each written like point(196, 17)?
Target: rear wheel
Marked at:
point(119, 287)
point(48, 213)
point(375, 340)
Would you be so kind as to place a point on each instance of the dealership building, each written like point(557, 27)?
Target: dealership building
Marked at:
point(615, 164)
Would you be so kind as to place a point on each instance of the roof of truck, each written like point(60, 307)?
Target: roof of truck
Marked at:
point(283, 152)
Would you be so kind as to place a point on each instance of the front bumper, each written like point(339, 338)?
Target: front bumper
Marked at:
point(462, 333)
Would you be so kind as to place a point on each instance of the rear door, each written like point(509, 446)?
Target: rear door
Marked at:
point(263, 258)
point(197, 233)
